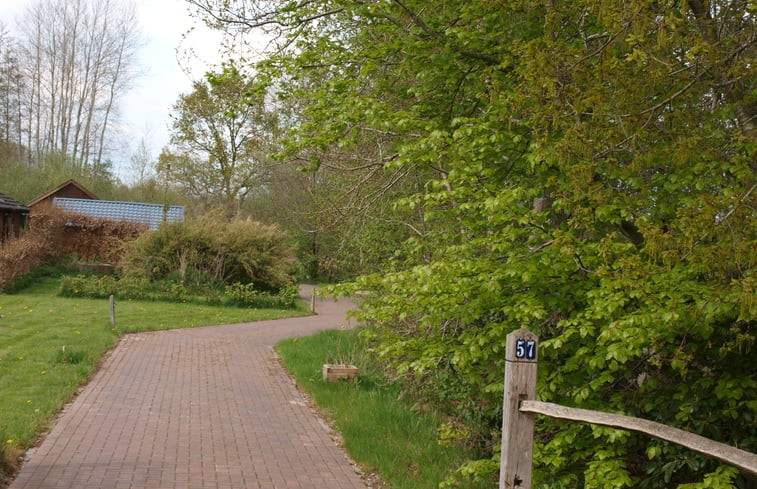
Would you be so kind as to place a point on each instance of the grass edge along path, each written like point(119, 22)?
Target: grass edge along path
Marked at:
point(380, 432)
point(50, 346)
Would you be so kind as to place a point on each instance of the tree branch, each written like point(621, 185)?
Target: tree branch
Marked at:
point(417, 20)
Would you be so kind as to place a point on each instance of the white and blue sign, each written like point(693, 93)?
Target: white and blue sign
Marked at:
point(525, 349)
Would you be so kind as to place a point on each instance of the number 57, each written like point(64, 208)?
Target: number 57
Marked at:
point(525, 349)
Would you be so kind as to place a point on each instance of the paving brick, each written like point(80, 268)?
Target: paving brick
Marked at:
point(204, 408)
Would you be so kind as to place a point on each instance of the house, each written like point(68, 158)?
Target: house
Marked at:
point(13, 217)
point(70, 189)
point(71, 196)
point(151, 215)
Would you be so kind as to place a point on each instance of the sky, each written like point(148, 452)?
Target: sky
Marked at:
point(146, 107)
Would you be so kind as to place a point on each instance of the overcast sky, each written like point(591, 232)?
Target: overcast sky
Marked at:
point(145, 109)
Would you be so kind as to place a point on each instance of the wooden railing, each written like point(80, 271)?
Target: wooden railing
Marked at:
point(520, 406)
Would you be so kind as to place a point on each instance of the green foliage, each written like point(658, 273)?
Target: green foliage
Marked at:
point(154, 191)
point(336, 233)
point(245, 295)
point(96, 287)
point(220, 141)
point(25, 182)
point(585, 170)
point(209, 253)
point(475, 470)
point(133, 288)
point(102, 287)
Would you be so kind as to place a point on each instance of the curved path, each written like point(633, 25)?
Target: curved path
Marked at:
point(195, 408)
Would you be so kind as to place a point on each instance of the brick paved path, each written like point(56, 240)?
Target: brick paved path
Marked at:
point(195, 408)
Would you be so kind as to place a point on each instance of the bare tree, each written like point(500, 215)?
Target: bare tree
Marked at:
point(79, 60)
point(11, 85)
point(142, 163)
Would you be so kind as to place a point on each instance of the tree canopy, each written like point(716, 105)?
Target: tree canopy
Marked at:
point(582, 169)
point(221, 138)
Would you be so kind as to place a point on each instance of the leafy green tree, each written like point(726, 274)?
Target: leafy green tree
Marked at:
point(585, 170)
point(221, 138)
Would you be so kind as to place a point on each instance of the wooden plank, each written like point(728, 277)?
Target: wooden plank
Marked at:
point(742, 459)
point(518, 427)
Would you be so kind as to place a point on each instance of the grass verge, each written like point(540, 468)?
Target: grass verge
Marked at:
point(381, 432)
point(50, 345)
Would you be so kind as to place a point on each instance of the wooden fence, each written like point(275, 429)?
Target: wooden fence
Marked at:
point(520, 406)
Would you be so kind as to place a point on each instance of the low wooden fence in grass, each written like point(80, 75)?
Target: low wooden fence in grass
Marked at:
point(520, 406)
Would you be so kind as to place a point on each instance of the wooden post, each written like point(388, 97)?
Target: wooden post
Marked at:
point(312, 301)
point(112, 310)
point(521, 355)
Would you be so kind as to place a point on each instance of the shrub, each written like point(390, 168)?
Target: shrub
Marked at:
point(53, 234)
point(133, 288)
point(208, 253)
point(289, 295)
point(101, 287)
point(98, 239)
point(41, 244)
point(245, 295)
point(96, 287)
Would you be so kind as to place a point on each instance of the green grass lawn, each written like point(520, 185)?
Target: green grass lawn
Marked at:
point(50, 345)
point(381, 432)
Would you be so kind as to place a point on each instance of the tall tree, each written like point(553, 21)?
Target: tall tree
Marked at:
point(11, 98)
point(78, 60)
point(221, 138)
point(588, 172)
point(346, 221)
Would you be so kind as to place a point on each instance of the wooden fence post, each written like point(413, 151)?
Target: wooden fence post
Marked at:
point(112, 310)
point(521, 355)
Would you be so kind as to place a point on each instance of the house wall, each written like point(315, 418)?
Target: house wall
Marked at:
point(12, 224)
point(68, 192)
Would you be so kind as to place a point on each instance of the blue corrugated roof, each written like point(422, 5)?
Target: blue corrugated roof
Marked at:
point(150, 214)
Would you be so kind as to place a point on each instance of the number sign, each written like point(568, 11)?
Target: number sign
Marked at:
point(525, 349)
